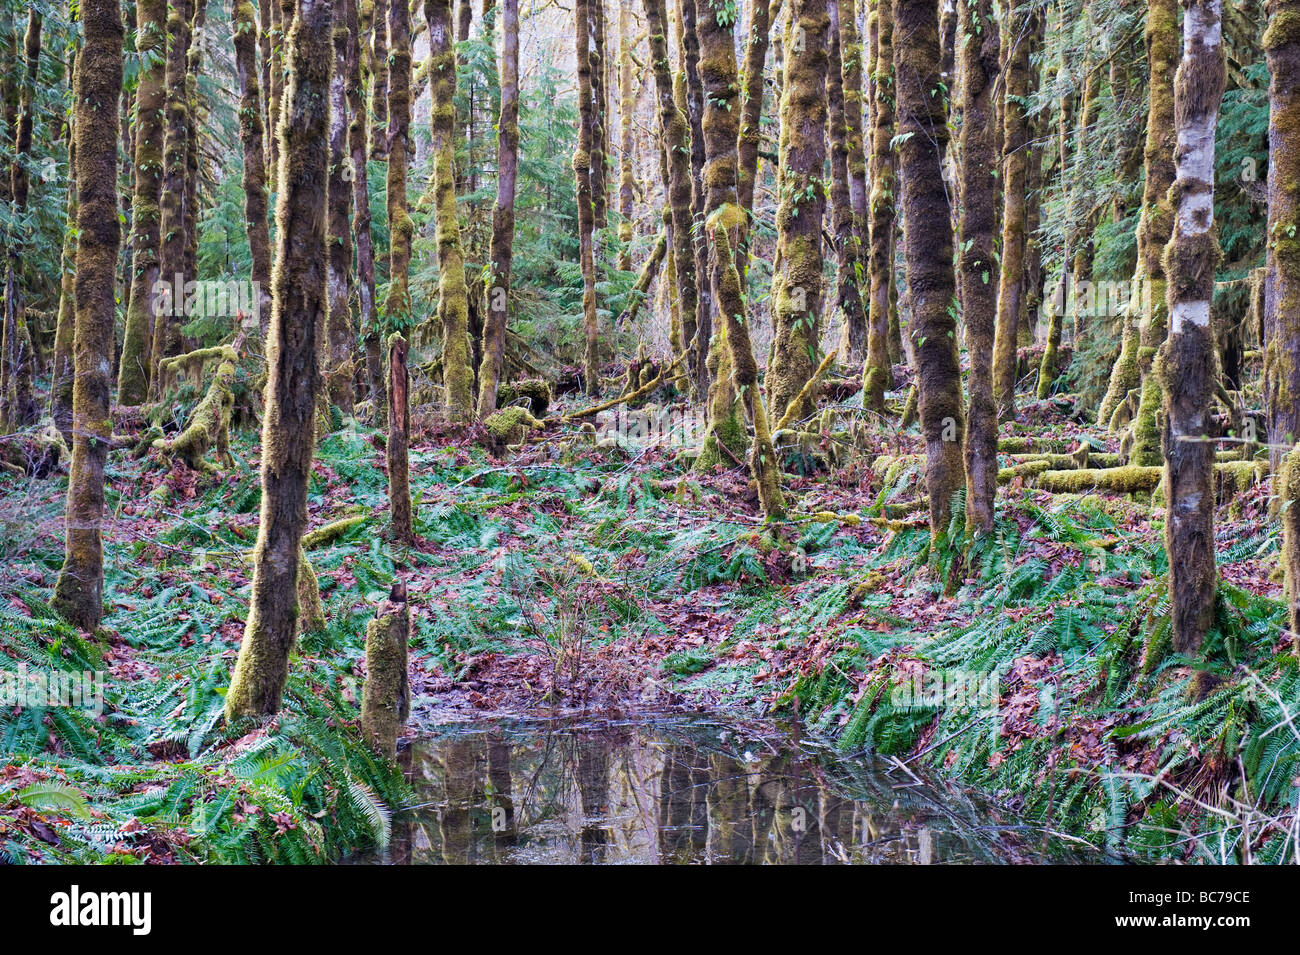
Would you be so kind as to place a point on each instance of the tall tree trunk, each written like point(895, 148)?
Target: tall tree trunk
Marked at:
point(61, 372)
point(851, 57)
point(1282, 48)
point(626, 140)
point(379, 88)
point(298, 314)
point(923, 131)
point(727, 224)
point(503, 213)
point(358, 144)
point(751, 107)
point(18, 354)
point(342, 335)
point(599, 102)
point(193, 66)
point(1156, 223)
point(677, 182)
point(848, 294)
point(1020, 43)
point(150, 102)
point(397, 304)
point(582, 160)
point(453, 295)
point(692, 103)
point(1187, 364)
point(171, 256)
point(79, 591)
point(797, 284)
point(878, 376)
point(977, 33)
point(251, 136)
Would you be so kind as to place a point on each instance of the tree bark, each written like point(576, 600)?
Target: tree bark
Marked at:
point(582, 161)
point(342, 335)
point(501, 253)
point(848, 294)
point(252, 135)
point(923, 131)
point(1282, 49)
point(980, 52)
point(399, 441)
point(797, 284)
point(878, 376)
point(79, 591)
point(453, 296)
point(298, 313)
point(677, 182)
point(171, 256)
point(1187, 361)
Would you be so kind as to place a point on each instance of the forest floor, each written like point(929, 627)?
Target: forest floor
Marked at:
point(565, 576)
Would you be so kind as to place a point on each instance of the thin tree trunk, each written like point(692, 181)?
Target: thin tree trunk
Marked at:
point(399, 441)
point(626, 157)
point(1023, 29)
point(503, 213)
point(582, 161)
point(797, 284)
point(251, 135)
point(1156, 223)
point(693, 105)
point(79, 591)
point(298, 313)
point(727, 224)
point(879, 373)
point(171, 256)
point(359, 147)
point(342, 335)
point(379, 89)
point(848, 294)
point(677, 182)
point(1187, 362)
point(397, 304)
point(453, 294)
point(923, 131)
point(62, 372)
point(980, 52)
point(751, 107)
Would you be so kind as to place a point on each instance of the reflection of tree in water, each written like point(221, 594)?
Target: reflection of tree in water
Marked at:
point(694, 791)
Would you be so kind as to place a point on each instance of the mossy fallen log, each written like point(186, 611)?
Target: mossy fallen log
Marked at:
point(331, 532)
point(1129, 479)
point(209, 423)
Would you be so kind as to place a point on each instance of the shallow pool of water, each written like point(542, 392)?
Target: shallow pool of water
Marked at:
point(685, 790)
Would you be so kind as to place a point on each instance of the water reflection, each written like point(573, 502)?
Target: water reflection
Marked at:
point(683, 791)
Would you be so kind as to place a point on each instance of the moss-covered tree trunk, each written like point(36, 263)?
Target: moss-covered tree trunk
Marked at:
point(251, 136)
point(61, 368)
point(979, 53)
point(626, 136)
point(797, 283)
point(1282, 275)
point(150, 102)
point(399, 441)
point(17, 349)
point(379, 79)
point(194, 124)
point(358, 148)
point(691, 102)
point(677, 183)
point(298, 313)
point(852, 64)
point(878, 375)
point(1282, 282)
point(341, 334)
point(1023, 28)
point(1156, 222)
point(171, 256)
point(79, 591)
point(1187, 363)
point(453, 296)
point(751, 107)
point(582, 159)
point(848, 293)
point(501, 254)
point(397, 303)
point(599, 107)
point(726, 225)
point(923, 131)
